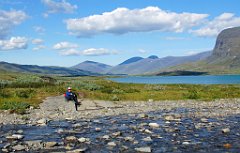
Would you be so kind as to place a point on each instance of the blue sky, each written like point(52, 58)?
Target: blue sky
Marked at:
point(67, 32)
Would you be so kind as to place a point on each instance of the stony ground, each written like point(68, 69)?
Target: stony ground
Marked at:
point(56, 108)
point(103, 126)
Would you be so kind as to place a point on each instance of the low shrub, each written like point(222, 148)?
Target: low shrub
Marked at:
point(192, 94)
point(115, 98)
point(18, 107)
point(25, 93)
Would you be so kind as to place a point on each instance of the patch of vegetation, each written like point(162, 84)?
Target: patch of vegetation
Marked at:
point(32, 89)
point(15, 107)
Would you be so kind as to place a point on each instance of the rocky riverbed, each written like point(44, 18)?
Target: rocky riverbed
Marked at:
point(101, 126)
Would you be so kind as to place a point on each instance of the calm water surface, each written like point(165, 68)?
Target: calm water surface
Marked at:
point(208, 79)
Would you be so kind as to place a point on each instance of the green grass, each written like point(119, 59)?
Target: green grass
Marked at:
point(18, 91)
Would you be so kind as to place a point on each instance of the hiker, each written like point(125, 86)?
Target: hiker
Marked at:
point(69, 95)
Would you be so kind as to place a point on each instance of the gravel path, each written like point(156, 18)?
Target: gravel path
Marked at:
point(56, 108)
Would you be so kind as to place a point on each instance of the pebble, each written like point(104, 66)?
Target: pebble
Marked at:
point(142, 115)
point(148, 131)
point(111, 144)
point(19, 147)
point(154, 125)
point(144, 149)
point(185, 143)
point(116, 134)
point(71, 138)
point(42, 122)
point(98, 129)
point(106, 137)
point(78, 150)
point(82, 140)
point(15, 137)
point(148, 139)
point(226, 130)
point(50, 144)
point(129, 139)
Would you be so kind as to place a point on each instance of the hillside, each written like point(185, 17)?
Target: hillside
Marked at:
point(92, 66)
point(10, 67)
point(225, 58)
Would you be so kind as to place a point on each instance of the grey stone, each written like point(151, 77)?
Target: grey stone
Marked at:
point(225, 130)
point(111, 144)
point(142, 115)
point(144, 149)
point(50, 144)
point(148, 139)
point(81, 150)
point(35, 145)
point(98, 129)
point(42, 122)
point(71, 138)
point(106, 137)
point(129, 139)
point(19, 147)
point(154, 125)
point(82, 140)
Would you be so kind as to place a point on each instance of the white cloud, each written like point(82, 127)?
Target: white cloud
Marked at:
point(175, 38)
point(88, 52)
point(39, 29)
point(65, 45)
point(123, 20)
point(98, 52)
point(71, 52)
point(37, 41)
point(58, 7)
point(9, 19)
point(39, 47)
point(14, 43)
point(142, 51)
point(219, 23)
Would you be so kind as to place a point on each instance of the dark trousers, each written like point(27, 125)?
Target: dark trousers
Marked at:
point(73, 98)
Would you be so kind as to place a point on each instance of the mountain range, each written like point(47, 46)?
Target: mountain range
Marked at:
point(53, 70)
point(225, 58)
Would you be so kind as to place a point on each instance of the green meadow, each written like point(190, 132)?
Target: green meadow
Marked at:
point(20, 91)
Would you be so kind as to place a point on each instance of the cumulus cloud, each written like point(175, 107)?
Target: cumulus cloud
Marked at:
point(39, 47)
point(123, 20)
point(71, 52)
point(9, 19)
point(14, 43)
point(97, 52)
point(65, 45)
point(214, 27)
point(37, 41)
point(58, 7)
point(87, 52)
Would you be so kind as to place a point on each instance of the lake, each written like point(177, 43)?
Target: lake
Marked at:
point(208, 79)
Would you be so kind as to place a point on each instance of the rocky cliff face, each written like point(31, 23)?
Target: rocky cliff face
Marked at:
point(227, 44)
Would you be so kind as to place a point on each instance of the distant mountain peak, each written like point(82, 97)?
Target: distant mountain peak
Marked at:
point(90, 62)
point(131, 60)
point(92, 66)
point(153, 57)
